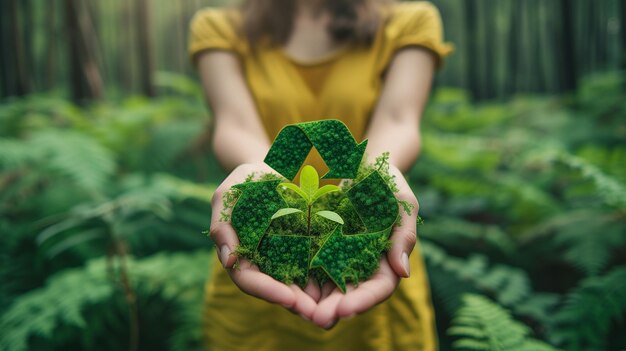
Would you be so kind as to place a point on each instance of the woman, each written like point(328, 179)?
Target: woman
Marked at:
point(270, 63)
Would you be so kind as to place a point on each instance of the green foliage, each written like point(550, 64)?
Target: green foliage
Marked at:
point(522, 201)
point(523, 204)
point(482, 325)
point(78, 183)
point(57, 311)
point(585, 320)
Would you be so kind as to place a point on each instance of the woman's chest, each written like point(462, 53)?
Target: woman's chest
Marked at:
point(347, 83)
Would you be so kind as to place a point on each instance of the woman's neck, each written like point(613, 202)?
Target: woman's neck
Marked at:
point(311, 8)
point(309, 39)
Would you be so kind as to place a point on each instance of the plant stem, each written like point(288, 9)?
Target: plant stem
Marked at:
point(120, 251)
point(308, 229)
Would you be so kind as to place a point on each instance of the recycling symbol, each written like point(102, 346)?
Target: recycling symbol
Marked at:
point(293, 233)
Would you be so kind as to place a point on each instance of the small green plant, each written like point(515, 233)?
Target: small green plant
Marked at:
point(310, 192)
point(295, 232)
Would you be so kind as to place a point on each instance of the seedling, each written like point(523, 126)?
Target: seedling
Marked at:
point(310, 192)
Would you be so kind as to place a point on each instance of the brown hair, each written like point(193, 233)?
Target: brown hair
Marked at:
point(352, 20)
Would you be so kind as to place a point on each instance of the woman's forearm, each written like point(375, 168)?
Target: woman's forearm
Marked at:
point(234, 145)
point(400, 137)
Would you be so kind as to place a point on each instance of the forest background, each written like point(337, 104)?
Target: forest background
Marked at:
point(106, 176)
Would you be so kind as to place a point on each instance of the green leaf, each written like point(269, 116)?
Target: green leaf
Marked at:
point(324, 190)
point(285, 211)
point(309, 181)
point(298, 191)
point(333, 216)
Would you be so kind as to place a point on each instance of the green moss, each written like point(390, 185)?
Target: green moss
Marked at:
point(252, 213)
point(350, 257)
point(297, 245)
point(331, 138)
point(285, 258)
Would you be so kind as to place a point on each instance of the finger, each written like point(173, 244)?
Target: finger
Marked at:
point(327, 288)
point(225, 239)
point(251, 281)
point(369, 293)
point(403, 236)
point(313, 289)
point(304, 304)
point(222, 233)
point(325, 314)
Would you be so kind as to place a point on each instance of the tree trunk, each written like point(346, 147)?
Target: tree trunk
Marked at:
point(18, 60)
point(568, 71)
point(51, 48)
point(623, 36)
point(471, 66)
point(85, 78)
point(146, 64)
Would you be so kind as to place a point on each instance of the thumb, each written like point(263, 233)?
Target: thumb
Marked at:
point(225, 239)
point(403, 241)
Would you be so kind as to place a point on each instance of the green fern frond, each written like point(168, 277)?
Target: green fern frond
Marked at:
point(60, 304)
point(77, 156)
point(586, 239)
point(451, 277)
point(483, 325)
point(589, 312)
point(455, 232)
point(609, 188)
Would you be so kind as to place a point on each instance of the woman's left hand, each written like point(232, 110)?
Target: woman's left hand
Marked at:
point(333, 305)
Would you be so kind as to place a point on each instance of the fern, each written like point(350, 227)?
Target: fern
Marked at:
point(452, 277)
point(585, 239)
point(63, 152)
point(60, 304)
point(483, 325)
point(458, 233)
point(589, 312)
point(608, 188)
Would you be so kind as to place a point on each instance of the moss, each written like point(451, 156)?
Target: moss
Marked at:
point(350, 257)
point(285, 258)
point(250, 215)
point(331, 138)
point(294, 247)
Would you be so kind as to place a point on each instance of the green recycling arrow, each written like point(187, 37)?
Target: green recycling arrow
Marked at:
point(342, 257)
point(331, 138)
point(253, 211)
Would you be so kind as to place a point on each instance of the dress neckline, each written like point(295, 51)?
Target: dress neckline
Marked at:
point(333, 56)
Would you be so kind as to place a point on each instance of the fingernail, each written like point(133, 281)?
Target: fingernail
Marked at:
point(224, 254)
point(329, 325)
point(405, 263)
point(305, 317)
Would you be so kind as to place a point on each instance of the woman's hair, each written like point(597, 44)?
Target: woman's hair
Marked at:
point(351, 20)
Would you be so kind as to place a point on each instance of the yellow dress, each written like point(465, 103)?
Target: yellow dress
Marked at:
point(344, 86)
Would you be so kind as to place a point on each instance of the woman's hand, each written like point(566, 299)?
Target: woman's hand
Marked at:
point(247, 276)
point(334, 305)
point(326, 306)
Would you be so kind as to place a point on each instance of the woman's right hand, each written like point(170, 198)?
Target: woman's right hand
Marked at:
point(247, 275)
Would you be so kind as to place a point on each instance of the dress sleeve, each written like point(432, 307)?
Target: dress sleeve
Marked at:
point(212, 29)
point(419, 24)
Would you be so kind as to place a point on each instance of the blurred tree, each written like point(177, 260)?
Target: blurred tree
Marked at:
point(86, 79)
point(568, 58)
point(144, 46)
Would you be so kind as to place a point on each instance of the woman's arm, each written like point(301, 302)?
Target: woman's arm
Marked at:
point(240, 144)
point(239, 136)
point(395, 124)
point(395, 128)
